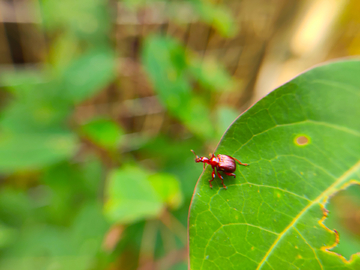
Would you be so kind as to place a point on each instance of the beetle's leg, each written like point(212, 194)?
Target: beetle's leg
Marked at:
point(244, 164)
point(204, 165)
point(222, 179)
point(230, 174)
point(212, 177)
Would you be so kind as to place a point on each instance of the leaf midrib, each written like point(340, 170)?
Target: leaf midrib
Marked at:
point(331, 189)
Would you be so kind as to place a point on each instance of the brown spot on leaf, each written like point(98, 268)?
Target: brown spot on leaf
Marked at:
point(302, 140)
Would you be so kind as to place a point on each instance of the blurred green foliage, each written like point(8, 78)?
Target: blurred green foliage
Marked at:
point(83, 194)
point(215, 14)
point(172, 72)
point(92, 192)
point(104, 132)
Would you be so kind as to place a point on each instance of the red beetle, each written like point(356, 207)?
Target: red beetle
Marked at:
point(223, 163)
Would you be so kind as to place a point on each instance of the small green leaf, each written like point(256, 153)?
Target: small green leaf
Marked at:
point(211, 76)
point(168, 189)
point(88, 74)
point(130, 196)
point(302, 142)
point(166, 62)
point(104, 132)
point(217, 15)
point(82, 18)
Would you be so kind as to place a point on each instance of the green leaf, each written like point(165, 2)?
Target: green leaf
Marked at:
point(302, 142)
point(166, 62)
point(34, 150)
point(104, 132)
point(168, 189)
point(85, 19)
point(130, 196)
point(211, 75)
point(217, 15)
point(88, 74)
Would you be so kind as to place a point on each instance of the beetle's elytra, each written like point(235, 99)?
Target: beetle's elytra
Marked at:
point(220, 162)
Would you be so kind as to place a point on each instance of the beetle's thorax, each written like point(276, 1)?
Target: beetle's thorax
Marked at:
point(214, 161)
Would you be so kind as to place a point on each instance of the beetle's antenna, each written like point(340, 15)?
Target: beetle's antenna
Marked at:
point(194, 153)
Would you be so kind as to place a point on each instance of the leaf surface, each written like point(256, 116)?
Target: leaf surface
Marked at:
point(302, 142)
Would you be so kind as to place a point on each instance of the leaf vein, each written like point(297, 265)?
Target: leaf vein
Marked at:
point(313, 250)
point(272, 187)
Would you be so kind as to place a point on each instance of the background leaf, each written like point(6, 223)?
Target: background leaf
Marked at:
point(130, 196)
point(217, 15)
point(270, 216)
point(166, 62)
point(210, 75)
point(103, 132)
point(32, 151)
point(88, 74)
point(168, 188)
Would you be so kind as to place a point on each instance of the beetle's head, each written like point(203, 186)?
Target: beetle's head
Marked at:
point(197, 158)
